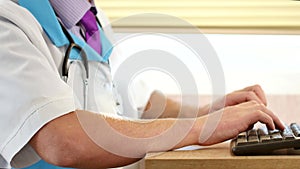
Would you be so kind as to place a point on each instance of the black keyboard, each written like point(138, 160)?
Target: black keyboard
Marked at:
point(261, 141)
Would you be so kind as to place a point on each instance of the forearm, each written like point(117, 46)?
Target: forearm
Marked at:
point(82, 140)
point(175, 132)
point(161, 106)
point(172, 108)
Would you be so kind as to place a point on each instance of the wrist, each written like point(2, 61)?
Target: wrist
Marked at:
point(192, 138)
point(204, 110)
point(196, 129)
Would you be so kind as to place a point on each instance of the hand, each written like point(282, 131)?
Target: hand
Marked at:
point(251, 93)
point(233, 120)
point(247, 94)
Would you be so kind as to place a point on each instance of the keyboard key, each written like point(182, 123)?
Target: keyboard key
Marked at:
point(252, 136)
point(242, 138)
point(241, 141)
point(253, 139)
point(262, 131)
point(287, 134)
point(275, 135)
point(265, 138)
point(252, 132)
point(296, 129)
point(263, 135)
point(243, 134)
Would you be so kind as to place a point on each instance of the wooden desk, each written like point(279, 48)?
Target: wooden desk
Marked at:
point(219, 157)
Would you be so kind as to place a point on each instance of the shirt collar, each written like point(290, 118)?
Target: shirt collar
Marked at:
point(70, 11)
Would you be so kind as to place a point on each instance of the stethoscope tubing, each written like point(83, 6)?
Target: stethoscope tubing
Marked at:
point(65, 66)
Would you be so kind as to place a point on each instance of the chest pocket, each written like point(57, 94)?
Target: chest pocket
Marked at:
point(102, 96)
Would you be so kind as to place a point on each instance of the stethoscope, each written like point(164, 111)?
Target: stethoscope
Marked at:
point(66, 62)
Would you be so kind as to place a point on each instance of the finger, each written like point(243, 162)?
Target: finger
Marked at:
point(278, 123)
point(250, 127)
point(242, 96)
point(264, 109)
point(258, 91)
point(263, 118)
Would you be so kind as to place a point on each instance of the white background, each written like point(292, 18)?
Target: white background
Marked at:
point(273, 61)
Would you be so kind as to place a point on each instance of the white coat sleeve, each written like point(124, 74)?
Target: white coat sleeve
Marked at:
point(31, 94)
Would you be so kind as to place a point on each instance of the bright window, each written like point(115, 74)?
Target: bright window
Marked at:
point(211, 16)
point(269, 60)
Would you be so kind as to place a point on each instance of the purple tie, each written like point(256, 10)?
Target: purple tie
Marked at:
point(92, 33)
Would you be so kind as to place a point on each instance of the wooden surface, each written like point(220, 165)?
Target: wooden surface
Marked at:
point(287, 107)
point(218, 157)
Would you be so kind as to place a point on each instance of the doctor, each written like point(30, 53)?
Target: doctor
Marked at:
point(58, 101)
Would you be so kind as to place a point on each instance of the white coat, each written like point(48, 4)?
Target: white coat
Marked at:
point(32, 92)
